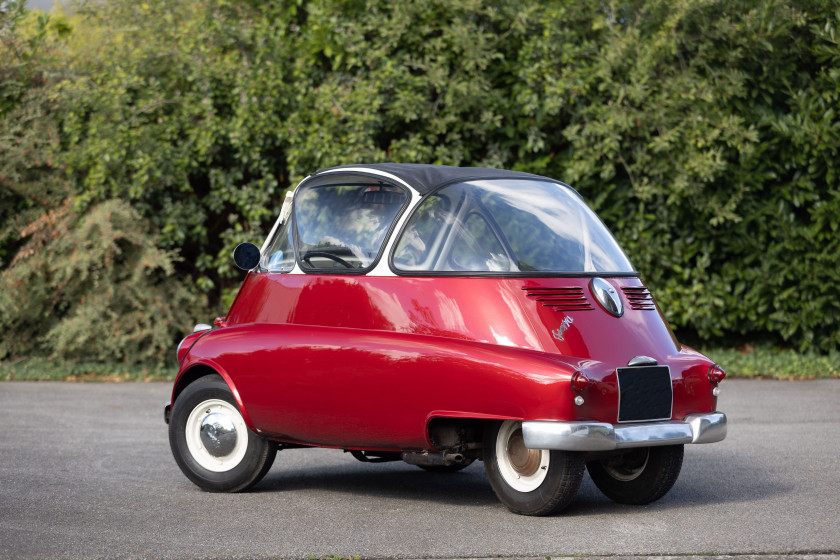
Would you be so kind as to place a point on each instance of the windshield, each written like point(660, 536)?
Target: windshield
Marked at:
point(343, 226)
point(508, 225)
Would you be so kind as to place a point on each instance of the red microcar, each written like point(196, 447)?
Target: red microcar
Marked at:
point(438, 315)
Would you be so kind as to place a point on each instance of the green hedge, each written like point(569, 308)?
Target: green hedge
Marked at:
point(776, 363)
point(705, 133)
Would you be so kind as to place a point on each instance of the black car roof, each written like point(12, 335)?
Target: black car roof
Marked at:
point(426, 177)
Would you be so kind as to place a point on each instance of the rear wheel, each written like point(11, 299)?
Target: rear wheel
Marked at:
point(210, 441)
point(529, 481)
point(639, 476)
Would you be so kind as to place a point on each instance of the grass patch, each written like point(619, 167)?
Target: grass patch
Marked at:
point(44, 369)
point(775, 363)
point(746, 362)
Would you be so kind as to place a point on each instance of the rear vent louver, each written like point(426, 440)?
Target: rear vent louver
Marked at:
point(639, 298)
point(560, 299)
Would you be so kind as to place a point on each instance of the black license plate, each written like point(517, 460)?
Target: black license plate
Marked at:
point(645, 393)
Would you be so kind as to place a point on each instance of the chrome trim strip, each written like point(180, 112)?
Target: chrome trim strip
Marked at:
point(601, 436)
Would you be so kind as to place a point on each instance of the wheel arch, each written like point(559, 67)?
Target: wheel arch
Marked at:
point(199, 370)
point(449, 429)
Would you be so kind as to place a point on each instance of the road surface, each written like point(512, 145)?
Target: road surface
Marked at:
point(86, 472)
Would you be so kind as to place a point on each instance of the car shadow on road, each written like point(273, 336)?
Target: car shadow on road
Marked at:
point(727, 479)
point(735, 479)
point(394, 481)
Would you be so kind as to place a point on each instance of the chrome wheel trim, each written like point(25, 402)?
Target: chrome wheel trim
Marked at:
point(521, 468)
point(627, 467)
point(216, 411)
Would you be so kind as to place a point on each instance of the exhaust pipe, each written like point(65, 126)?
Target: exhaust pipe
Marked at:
point(433, 459)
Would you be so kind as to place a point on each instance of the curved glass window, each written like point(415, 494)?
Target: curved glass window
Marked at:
point(280, 256)
point(342, 227)
point(507, 225)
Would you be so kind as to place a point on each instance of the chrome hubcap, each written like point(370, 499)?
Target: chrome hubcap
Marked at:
point(524, 461)
point(218, 434)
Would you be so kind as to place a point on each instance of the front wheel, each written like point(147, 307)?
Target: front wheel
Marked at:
point(640, 476)
point(529, 481)
point(210, 441)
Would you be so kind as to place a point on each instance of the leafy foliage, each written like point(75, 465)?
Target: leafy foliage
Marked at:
point(705, 133)
point(174, 111)
point(92, 287)
point(30, 175)
point(707, 137)
point(82, 280)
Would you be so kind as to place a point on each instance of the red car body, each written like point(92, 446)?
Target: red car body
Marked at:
point(389, 361)
point(367, 363)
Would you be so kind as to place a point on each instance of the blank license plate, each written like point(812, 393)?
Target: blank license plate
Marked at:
point(645, 393)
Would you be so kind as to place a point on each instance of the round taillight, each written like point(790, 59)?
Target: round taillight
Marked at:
point(716, 374)
point(579, 381)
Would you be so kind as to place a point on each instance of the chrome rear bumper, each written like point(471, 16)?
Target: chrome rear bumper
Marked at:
point(601, 436)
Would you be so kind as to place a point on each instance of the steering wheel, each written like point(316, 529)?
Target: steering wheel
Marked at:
point(310, 254)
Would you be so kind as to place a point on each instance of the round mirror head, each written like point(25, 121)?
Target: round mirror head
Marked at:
point(246, 256)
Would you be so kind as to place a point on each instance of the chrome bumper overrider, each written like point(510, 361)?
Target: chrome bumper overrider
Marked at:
point(600, 436)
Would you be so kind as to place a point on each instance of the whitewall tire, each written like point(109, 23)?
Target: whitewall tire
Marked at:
point(211, 442)
point(529, 481)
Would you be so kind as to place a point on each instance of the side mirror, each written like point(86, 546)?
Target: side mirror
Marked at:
point(246, 256)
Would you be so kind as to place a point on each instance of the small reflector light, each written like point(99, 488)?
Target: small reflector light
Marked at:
point(716, 374)
point(579, 381)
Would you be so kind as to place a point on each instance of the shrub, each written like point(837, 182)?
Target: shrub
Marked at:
point(93, 286)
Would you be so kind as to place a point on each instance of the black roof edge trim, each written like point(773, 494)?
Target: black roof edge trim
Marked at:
point(424, 177)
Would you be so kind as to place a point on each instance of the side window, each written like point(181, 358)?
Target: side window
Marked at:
point(280, 256)
point(450, 232)
point(418, 245)
point(532, 241)
point(476, 247)
point(342, 227)
point(497, 226)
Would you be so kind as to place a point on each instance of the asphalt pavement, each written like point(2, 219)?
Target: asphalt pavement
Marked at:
point(86, 472)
